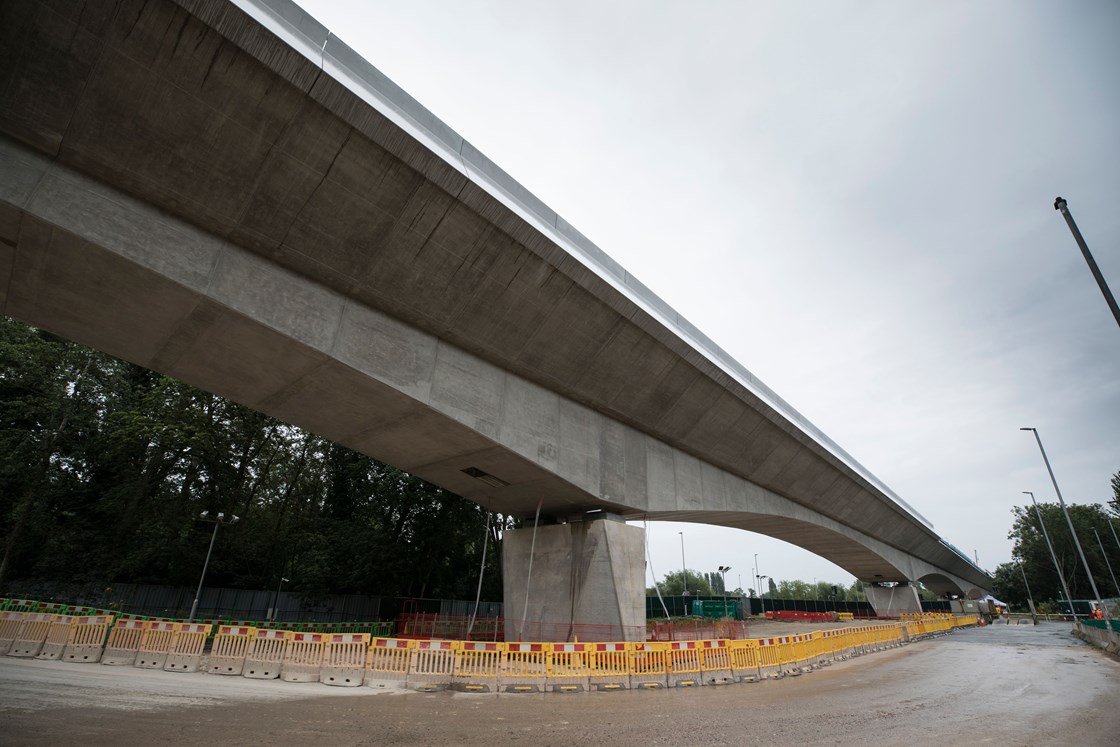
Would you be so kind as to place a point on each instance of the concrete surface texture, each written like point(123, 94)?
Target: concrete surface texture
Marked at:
point(1012, 685)
point(267, 217)
point(590, 574)
point(899, 600)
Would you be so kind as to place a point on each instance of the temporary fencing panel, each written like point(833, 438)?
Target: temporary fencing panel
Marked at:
point(10, 623)
point(744, 660)
point(187, 644)
point(478, 666)
point(231, 647)
point(57, 636)
point(32, 634)
point(124, 643)
point(685, 664)
point(431, 666)
point(649, 665)
point(304, 658)
point(344, 659)
point(715, 659)
point(524, 667)
point(388, 662)
point(770, 658)
point(266, 656)
point(569, 667)
point(87, 635)
point(610, 666)
point(154, 644)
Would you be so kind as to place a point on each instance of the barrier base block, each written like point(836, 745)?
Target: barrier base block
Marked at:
point(150, 661)
point(610, 687)
point(566, 687)
point(473, 687)
point(342, 677)
point(384, 684)
point(257, 671)
point(119, 658)
point(521, 689)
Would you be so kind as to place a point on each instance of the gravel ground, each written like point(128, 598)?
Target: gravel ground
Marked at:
point(1008, 685)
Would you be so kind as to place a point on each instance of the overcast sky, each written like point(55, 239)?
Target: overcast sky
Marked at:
point(855, 200)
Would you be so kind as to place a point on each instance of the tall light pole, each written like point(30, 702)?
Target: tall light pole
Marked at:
point(1061, 207)
point(274, 612)
point(723, 569)
point(1030, 597)
point(1053, 555)
point(217, 521)
point(684, 572)
point(1076, 541)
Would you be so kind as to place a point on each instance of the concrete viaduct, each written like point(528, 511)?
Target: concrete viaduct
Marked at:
point(226, 193)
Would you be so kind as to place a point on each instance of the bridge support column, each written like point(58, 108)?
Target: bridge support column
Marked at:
point(892, 601)
point(587, 582)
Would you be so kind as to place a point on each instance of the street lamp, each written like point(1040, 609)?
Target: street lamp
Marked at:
point(1053, 555)
point(1076, 541)
point(217, 521)
point(275, 610)
point(723, 569)
point(684, 572)
point(760, 596)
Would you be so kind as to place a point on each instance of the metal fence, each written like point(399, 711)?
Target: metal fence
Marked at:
point(245, 604)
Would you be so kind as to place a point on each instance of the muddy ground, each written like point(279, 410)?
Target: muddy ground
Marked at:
point(1005, 685)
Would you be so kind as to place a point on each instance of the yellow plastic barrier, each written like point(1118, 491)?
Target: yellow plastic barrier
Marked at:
point(388, 662)
point(744, 656)
point(266, 656)
point(685, 664)
point(431, 666)
point(478, 666)
point(87, 635)
point(344, 659)
point(187, 644)
point(715, 662)
point(32, 634)
point(569, 667)
point(57, 636)
point(10, 623)
point(304, 658)
point(846, 616)
point(609, 667)
point(155, 642)
point(123, 643)
point(649, 665)
point(230, 649)
point(524, 667)
point(770, 658)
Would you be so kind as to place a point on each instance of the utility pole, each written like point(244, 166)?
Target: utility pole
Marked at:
point(1053, 555)
point(1062, 207)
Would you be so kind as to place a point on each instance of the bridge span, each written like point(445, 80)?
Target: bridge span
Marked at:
point(226, 193)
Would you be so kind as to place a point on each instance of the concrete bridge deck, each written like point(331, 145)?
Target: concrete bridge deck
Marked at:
point(226, 193)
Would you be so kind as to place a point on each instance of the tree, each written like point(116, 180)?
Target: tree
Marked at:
point(105, 466)
point(1114, 504)
point(1030, 549)
point(673, 585)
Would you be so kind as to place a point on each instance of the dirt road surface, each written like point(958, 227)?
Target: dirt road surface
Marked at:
point(1003, 685)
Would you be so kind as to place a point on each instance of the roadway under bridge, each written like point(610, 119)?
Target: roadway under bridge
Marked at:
point(226, 193)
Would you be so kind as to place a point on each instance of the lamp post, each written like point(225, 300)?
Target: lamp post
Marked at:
point(1030, 597)
point(1076, 541)
point(760, 596)
point(684, 574)
point(274, 612)
point(217, 521)
point(1053, 555)
point(1061, 207)
point(723, 569)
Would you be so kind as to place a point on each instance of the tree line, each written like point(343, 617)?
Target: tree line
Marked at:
point(712, 584)
point(1033, 567)
point(105, 467)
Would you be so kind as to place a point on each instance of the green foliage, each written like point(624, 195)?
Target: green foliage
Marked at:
point(1030, 549)
point(105, 466)
point(673, 585)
